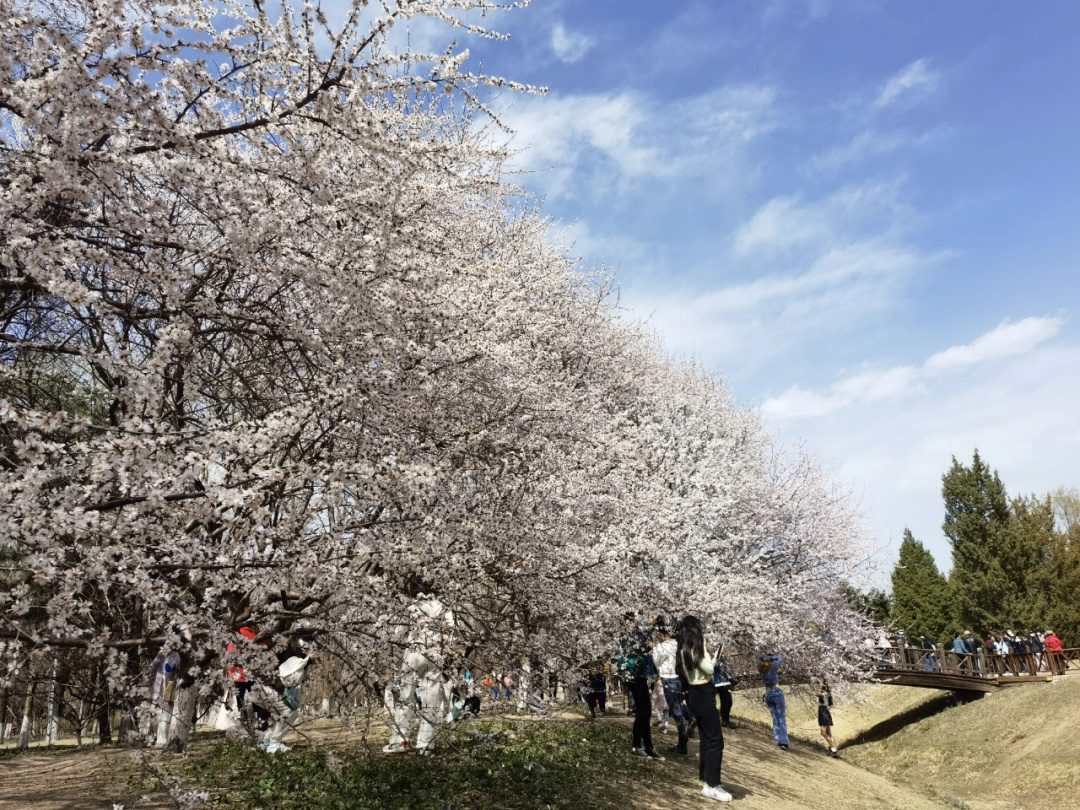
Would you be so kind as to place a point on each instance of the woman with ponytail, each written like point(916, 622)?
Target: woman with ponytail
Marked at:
point(695, 669)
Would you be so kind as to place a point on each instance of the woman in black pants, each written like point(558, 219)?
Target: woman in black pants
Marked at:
point(722, 681)
point(636, 664)
point(695, 668)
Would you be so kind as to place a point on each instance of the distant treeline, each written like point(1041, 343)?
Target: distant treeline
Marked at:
point(1015, 565)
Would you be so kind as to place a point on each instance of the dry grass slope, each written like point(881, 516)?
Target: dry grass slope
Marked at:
point(1015, 748)
point(857, 710)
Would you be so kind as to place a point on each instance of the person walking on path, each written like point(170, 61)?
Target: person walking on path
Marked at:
point(663, 655)
point(695, 668)
point(824, 717)
point(769, 667)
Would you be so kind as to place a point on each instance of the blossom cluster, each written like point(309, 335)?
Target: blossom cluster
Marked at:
point(281, 347)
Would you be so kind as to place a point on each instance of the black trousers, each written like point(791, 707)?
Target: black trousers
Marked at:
point(725, 703)
point(596, 700)
point(702, 701)
point(639, 690)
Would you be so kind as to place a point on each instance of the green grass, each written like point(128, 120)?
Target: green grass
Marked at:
point(483, 766)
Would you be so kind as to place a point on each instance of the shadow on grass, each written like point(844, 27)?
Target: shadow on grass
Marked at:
point(888, 727)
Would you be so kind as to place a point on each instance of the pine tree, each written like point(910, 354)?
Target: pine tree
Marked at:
point(1057, 582)
point(1025, 545)
point(874, 604)
point(920, 593)
point(976, 518)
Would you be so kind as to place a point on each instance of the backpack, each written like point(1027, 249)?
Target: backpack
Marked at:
point(636, 662)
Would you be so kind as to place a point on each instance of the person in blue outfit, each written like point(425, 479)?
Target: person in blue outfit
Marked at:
point(769, 667)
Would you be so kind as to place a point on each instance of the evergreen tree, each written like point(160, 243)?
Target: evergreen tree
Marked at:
point(1057, 582)
point(1024, 547)
point(976, 518)
point(920, 593)
point(874, 604)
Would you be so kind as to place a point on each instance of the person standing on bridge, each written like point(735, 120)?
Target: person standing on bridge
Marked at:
point(972, 644)
point(1054, 652)
point(769, 667)
point(960, 651)
point(695, 667)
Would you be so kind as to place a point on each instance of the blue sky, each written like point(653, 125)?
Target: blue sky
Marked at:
point(864, 215)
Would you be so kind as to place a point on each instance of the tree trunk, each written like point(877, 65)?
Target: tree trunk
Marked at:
point(182, 714)
point(3, 714)
point(104, 727)
point(52, 725)
point(80, 724)
point(28, 704)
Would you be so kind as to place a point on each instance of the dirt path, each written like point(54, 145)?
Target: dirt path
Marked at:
point(86, 779)
point(757, 773)
point(761, 776)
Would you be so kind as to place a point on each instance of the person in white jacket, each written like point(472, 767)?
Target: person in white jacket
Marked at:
point(420, 687)
point(663, 655)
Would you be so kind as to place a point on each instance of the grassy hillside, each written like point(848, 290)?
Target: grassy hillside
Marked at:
point(520, 766)
point(1015, 748)
point(859, 709)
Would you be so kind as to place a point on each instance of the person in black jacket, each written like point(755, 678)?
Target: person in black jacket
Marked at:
point(637, 664)
point(723, 683)
point(824, 717)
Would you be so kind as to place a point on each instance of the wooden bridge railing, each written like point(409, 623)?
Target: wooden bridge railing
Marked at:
point(981, 664)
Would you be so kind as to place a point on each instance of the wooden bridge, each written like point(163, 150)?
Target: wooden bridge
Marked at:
point(939, 668)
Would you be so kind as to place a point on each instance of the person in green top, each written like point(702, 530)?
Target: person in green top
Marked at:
point(694, 666)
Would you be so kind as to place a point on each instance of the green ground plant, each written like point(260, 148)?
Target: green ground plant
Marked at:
point(523, 766)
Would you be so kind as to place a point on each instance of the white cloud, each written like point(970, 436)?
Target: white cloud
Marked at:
point(570, 46)
point(591, 144)
point(1007, 340)
point(784, 222)
point(871, 143)
point(748, 324)
point(915, 81)
point(1018, 411)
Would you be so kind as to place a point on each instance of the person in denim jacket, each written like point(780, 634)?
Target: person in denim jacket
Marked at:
point(769, 667)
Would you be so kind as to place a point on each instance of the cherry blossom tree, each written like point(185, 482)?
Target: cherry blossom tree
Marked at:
point(280, 346)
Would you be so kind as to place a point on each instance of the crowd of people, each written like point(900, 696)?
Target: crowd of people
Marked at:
point(1004, 653)
point(669, 673)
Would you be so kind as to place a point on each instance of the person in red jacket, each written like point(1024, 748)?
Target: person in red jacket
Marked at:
point(1052, 645)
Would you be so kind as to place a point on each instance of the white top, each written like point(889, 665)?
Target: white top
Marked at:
point(663, 655)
